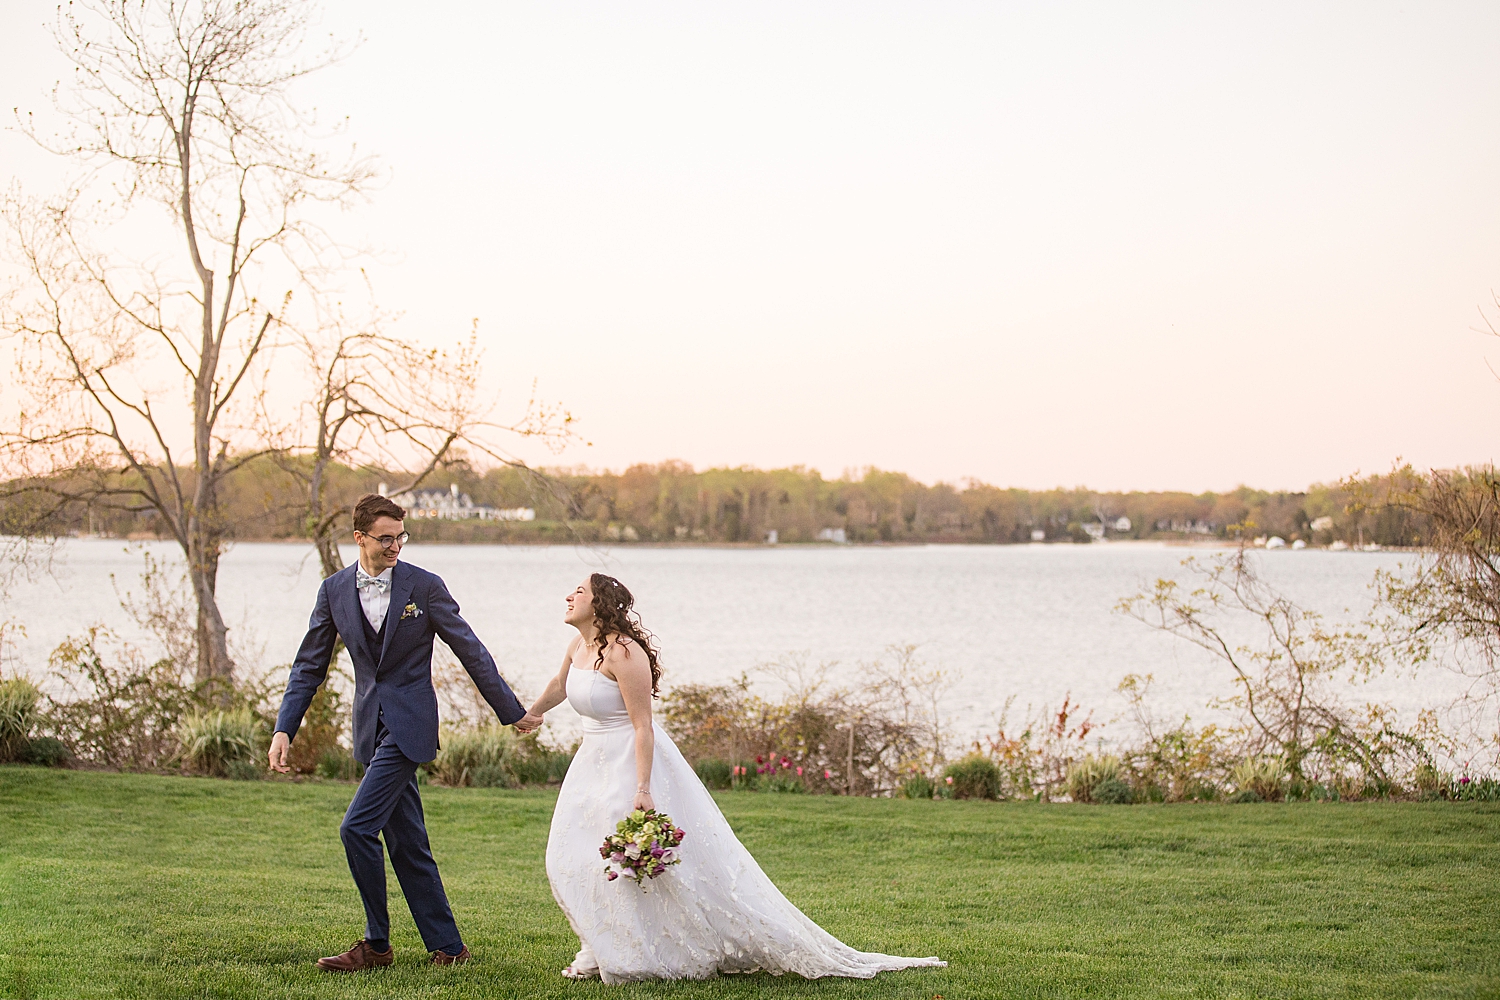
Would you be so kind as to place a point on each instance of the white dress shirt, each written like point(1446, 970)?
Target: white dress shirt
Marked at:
point(375, 601)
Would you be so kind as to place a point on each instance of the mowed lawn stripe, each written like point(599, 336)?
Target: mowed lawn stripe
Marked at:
point(139, 885)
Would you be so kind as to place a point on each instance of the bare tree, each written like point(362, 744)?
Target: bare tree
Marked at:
point(383, 401)
point(1284, 681)
point(1449, 596)
point(139, 371)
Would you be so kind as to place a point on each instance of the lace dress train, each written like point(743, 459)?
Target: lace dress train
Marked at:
point(716, 912)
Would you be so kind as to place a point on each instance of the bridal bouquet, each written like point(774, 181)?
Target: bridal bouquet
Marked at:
point(643, 845)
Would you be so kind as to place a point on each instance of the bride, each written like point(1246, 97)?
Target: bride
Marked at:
point(715, 912)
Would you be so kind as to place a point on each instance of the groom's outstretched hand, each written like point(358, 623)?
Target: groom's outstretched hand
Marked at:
point(528, 723)
point(280, 744)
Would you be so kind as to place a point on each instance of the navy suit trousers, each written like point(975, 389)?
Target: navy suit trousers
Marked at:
point(387, 802)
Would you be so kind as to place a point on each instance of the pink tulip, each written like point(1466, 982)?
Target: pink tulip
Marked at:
point(827, 774)
point(799, 772)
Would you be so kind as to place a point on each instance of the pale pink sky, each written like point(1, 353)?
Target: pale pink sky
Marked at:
point(1129, 246)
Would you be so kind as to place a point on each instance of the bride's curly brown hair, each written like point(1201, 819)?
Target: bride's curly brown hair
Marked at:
point(612, 610)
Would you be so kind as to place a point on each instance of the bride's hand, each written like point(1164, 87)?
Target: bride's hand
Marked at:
point(643, 801)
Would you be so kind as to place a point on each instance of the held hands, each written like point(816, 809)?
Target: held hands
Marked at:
point(528, 723)
point(280, 744)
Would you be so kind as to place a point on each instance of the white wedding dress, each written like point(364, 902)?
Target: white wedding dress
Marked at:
point(715, 912)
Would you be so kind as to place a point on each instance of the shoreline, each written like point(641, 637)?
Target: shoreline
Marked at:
point(1173, 543)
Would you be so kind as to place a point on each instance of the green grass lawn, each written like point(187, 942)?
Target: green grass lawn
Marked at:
point(144, 886)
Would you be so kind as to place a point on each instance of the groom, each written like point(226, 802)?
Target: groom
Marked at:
point(387, 613)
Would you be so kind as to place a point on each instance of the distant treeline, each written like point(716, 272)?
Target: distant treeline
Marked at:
point(672, 502)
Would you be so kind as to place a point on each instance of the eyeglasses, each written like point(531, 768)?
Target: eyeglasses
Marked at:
point(387, 541)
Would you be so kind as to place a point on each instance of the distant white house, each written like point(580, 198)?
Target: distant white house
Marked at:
point(1122, 523)
point(1192, 527)
point(1275, 542)
point(1324, 523)
point(1038, 534)
point(451, 505)
point(836, 535)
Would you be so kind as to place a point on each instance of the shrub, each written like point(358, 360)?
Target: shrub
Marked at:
point(715, 773)
point(320, 731)
point(1248, 795)
point(1113, 792)
point(974, 777)
point(490, 776)
point(493, 756)
point(18, 716)
point(127, 713)
point(1085, 776)
point(338, 764)
point(244, 770)
point(46, 751)
point(855, 741)
point(533, 763)
point(209, 742)
point(465, 751)
point(1201, 791)
point(784, 783)
point(1467, 789)
point(1265, 776)
point(918, 786)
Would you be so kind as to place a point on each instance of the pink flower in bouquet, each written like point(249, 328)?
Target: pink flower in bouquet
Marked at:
point(611, 876)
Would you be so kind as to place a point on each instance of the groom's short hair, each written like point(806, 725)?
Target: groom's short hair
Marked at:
point(372, 506)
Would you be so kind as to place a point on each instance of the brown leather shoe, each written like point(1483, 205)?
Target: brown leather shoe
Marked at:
point(358, 959)
point(443, 958)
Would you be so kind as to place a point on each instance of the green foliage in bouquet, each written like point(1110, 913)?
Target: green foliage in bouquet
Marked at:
point(643, 846)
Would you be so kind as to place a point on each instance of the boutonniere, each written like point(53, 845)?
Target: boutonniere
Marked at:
point(410, 611)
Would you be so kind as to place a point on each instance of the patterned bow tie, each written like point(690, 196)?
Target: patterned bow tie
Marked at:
point(362, 580)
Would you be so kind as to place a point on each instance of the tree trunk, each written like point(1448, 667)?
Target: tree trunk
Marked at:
point(328, 552)
point(215, 668)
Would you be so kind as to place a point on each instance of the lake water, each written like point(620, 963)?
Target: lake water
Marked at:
point(1034, 622)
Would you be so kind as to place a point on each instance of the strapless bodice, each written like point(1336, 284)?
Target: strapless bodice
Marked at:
point(598, 700)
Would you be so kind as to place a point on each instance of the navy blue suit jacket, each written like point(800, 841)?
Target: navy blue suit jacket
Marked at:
point(397, 678)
